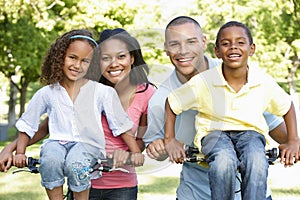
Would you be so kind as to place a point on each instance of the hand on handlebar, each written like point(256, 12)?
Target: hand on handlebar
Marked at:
point(122, 157)
point(175, 150)
point(289, 153)
point(156, 150)
point(19, 160)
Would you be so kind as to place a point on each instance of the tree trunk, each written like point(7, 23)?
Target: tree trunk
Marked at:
point(12, 105)
point(23, 93)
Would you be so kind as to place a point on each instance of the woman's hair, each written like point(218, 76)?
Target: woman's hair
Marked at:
point(139, 68)
point(52, 67)
point(237, 24)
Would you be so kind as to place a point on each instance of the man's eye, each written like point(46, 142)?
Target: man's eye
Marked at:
point(173, 44)
point(106, 59)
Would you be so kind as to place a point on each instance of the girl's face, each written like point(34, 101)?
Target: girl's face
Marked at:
point(115, 60)
point(77, 60)
point(234, 47)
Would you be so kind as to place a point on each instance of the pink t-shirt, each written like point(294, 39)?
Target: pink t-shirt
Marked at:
point(117, 179)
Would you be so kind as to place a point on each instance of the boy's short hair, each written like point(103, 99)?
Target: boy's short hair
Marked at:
point(238, 24)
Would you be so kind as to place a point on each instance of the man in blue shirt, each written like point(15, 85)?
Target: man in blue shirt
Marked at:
point(185, 45)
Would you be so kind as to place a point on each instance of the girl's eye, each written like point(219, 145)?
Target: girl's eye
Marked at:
point(87, 61)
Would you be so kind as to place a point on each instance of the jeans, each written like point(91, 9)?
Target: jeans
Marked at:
point(114, 194)
point(72, 160)
point(231, 150)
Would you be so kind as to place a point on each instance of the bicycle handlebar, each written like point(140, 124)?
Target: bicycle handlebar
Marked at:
point(104, 165)
point(193, 155)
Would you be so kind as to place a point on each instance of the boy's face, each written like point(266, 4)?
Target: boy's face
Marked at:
point(234, 47)
point(185, 45)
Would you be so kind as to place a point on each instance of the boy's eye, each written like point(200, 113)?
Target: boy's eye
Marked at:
point(225, 43)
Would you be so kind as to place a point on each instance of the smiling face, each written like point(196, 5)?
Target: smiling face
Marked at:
point(115, 60)
point(234, 47)
point(77, 60)
point(185, 45)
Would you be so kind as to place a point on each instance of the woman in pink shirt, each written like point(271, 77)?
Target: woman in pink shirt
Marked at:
point(122, 66)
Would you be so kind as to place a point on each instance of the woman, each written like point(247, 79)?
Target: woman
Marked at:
point(122, 66)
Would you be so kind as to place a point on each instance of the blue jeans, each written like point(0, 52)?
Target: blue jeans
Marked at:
point(114, 194)
point(72, 160)
point(231, 150)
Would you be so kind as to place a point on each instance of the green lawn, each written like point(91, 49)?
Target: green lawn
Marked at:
point(27, 186)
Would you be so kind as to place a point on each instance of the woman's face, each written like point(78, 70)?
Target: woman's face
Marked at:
point(115, 60)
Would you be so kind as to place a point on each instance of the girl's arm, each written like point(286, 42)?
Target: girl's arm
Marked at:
point(289, 150)
point(19, 159)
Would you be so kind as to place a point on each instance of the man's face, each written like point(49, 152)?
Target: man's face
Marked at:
point(185, 45)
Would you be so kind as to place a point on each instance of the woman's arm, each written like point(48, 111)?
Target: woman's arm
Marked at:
point(141, 132)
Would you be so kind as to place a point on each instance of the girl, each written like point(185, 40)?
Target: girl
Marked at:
point(122, 66)
point(74, 106)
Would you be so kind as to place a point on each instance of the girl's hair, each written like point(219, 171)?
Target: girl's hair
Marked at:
point(139, 68)
point(237, 24)
point(52, 67)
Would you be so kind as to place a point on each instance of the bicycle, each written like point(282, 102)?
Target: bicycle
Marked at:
point(104, 165)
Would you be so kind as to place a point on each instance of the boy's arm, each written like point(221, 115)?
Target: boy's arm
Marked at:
point(289, 150)
point(174, 148)
point(19, 159)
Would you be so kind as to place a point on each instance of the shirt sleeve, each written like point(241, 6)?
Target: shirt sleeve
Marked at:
point(29, 121)
point(186, 97)
point(272, 120)
point(118, 120)
point(155, 118)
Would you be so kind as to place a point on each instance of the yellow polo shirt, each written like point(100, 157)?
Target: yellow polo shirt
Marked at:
point(221, 108)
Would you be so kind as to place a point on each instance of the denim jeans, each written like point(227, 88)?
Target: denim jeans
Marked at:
point(114, 194)
point(231, 150)
point(72, 160)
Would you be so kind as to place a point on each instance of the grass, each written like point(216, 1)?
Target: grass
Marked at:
point(25, 186)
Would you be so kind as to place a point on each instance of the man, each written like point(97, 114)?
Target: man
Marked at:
point(185, 45)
